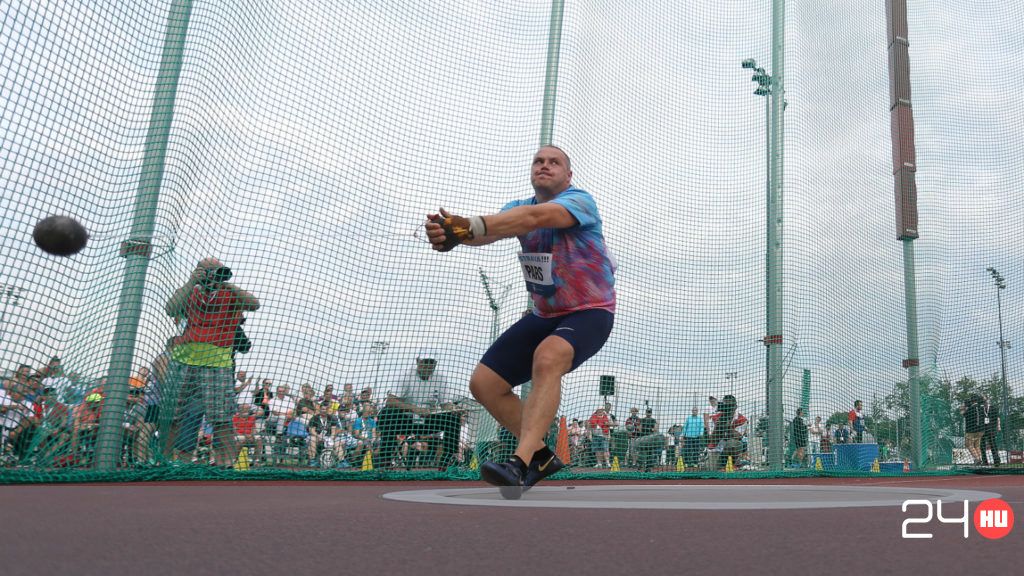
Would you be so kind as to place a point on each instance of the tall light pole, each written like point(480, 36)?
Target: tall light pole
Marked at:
point(764, 88)
point(494, 303)
point(488, 428)
point(10, 294)
point(1003, 345)
point(380, 347)
point(770, 86)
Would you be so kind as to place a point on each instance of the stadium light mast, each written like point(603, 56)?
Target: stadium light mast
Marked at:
point(764, 88)
point(10, 294)
point(772, 87)
point(379, 347)
point(1003, 345)
point(493, 303)
point(487, 430)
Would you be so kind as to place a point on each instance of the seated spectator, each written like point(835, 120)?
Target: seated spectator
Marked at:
point(245, 388)
point(331, 398)
point(347, 397)
point(244, 425)
point(350, 446)
point(17, 418)
point(323, 428)
point(54, 420)
point(306, 405)
point(138, 432)
point(365, 398)
point(85, 420)
point(261, 399)
point(280, 411)
point(365, 427)
point(841, 435)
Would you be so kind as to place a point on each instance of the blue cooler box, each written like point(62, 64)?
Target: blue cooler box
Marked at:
point(891, 467)
point(856, 456)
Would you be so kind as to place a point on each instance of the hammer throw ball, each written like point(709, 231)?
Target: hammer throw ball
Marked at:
point(60, 235)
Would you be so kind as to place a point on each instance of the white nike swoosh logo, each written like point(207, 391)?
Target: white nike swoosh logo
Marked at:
point(565, 328)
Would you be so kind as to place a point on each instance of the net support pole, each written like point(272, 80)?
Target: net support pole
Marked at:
point(547, 115)
point(904, 169)
point(773, 258)
point(913, 365)
point(137, 249)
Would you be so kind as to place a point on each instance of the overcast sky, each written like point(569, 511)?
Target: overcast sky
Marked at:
point(309, 140)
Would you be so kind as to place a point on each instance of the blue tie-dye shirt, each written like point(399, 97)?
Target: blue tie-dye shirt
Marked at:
point(582, 269)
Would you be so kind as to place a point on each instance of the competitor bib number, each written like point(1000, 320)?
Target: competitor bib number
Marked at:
point(537, 273)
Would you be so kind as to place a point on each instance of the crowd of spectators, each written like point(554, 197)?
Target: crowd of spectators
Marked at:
point(50, 418)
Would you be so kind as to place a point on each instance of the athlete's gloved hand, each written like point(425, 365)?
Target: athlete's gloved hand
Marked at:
point(446, 231)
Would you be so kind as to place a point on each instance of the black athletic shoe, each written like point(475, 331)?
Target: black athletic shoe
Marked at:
point(541, 470)
point(501, 473)
point(507, 476)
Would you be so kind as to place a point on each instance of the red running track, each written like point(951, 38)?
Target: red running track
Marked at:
point(336, 528)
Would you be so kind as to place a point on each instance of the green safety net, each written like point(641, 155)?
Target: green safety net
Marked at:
point(303, 145)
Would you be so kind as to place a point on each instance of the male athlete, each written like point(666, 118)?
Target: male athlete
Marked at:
point(569, 274)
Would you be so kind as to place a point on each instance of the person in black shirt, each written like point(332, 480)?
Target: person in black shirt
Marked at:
point(648, 424)
point(990, 427)
point(974, 427)
point(798, 437)
point(261, 399)
point(321, 429)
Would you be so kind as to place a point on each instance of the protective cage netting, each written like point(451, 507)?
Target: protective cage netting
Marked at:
point(302, 144)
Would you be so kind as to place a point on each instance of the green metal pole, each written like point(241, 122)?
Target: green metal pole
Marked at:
point(137, 249)
point(1004, 413)
point(805, 392)
point(773, 340)
point(547, 115)
point(910, 295)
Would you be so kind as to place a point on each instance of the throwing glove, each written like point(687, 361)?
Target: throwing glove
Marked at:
point(456, 231)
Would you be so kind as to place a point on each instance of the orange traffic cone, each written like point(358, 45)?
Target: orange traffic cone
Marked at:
point(562, 444)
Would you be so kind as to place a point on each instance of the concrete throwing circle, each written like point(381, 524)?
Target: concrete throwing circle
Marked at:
point(693, 496)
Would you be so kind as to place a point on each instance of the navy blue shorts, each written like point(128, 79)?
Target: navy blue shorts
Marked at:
point(511, 355)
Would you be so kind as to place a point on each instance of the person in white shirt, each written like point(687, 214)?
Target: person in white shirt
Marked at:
point(15, 413)
point(423, 404)
point(245, 389)
point(710, 410)
point(816, 431)
point(280, 411)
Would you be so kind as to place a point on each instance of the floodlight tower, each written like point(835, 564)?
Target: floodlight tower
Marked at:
point(1003, 345)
